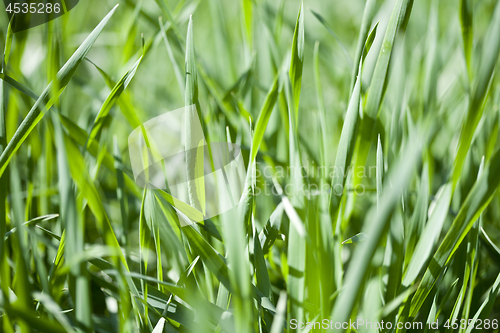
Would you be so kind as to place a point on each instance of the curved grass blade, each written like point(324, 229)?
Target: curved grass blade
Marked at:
point(331, 32)
point(49, 97)
point(345, 148)
point(262, 121)
point(363, 45)
point(111, 100)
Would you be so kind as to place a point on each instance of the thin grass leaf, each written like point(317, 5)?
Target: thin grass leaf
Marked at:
point(111, 100)
point(345, 148)
point(363, 45)
point(348, 58)
point(297, 60)
point(355, 239)
point(466, 20)
point(279, 322)
point(177, 71)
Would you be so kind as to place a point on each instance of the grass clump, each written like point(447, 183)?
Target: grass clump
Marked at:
point(369, 131)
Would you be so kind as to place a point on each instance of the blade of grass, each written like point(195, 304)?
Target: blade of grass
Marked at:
point(297, 60)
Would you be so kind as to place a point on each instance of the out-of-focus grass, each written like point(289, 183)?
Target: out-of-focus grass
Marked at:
point(370, 134)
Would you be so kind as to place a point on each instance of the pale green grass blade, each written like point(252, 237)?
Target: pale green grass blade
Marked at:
point(430, 234)
point(493, 250)
point(298, 204)
point(234, 237)
point(111, 99)
point(369, 42)
point(195, 186)
point(279, 322)
point(144, 249)
point(121, 193)
point(131, 112)
point(431, 60)
point(321, 104)
point(355, 239)
point(159, 326)
point(346, 148)
point(262, 121)
point(74, 229)
point(177, 70)
point(378, 83)
point(331, 32)
point(31, 221)
point(7, 48)
point(363, 38)
point(248, 21)
point(414, 231)
point(380, 170)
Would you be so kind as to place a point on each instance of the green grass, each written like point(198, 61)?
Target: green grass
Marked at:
point(369, 132)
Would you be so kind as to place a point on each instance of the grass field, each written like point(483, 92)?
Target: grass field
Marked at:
point(369, 132)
